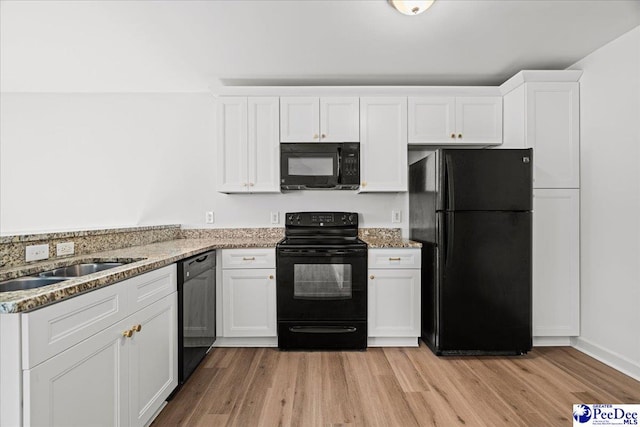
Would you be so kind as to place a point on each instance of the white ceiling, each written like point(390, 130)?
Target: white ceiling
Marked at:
point(197, 45)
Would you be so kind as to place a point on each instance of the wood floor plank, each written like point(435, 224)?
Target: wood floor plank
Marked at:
point(278, 404)
point(335, 394)
point(362, 382)
point(409, 378)
point(186, 402)
point(392, 387)
point(620, 387)
point(443, 395)
point(258, 382)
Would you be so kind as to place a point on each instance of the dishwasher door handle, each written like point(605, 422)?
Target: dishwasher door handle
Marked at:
point(201, 259)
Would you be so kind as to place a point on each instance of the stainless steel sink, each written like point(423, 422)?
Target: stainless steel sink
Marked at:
point(30, 282)
point(78, 270)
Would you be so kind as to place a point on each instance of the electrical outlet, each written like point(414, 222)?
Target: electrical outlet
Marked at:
point(66, 248)
point(275, 217)
point(208, 218)
point(396, 216)
point(36, 252)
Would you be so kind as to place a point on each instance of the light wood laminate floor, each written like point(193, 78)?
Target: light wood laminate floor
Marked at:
point(392, 387)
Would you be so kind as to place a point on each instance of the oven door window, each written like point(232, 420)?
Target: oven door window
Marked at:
point(322, 281)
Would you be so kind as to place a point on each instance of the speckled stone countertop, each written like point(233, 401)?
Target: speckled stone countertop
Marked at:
point(386, 238)
point(142, 259)
point(388, 242)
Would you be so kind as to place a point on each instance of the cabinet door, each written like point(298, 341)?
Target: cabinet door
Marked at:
point(394, 303)
point(232, 144)
point(479, 120)
point(432, 119)
point(263, 145)
point(86, 385)
point(299, 119)
point(153, 359)
point(552, 130)
point(249, 308)
point(556, 258)
point(339, 119)
point(383, 144)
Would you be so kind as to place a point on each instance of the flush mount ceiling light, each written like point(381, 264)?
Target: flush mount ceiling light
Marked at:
point(411, 7)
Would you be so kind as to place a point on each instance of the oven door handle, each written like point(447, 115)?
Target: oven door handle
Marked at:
point(321, 252)
point(323, 329)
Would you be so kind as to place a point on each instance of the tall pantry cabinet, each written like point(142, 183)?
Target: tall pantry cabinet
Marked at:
point(541, 111)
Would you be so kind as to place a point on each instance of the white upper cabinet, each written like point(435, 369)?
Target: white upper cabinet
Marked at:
point(383, 144)
point(553, 131)
point(313, 119)
point(545, 116)
point(232, 144)
point(339, 119)
point(442, 120)
point(299, 119)
point(432, 119)
point(248, 145)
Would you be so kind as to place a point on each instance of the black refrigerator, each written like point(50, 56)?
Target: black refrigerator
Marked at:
point(472, 211)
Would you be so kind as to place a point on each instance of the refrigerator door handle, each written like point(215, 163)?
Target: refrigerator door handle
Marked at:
point(442, 239)
point(448, 183)
point(450, 229)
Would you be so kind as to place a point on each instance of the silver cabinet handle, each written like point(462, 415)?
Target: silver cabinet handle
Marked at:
point(248, 258)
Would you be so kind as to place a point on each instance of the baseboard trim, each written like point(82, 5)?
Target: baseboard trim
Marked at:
point(392, 342)
point(246, 342)
point(551, 341)
point(615, 360)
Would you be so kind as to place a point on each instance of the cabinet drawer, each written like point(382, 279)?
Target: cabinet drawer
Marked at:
point(249, 258)
point(51, 330)
point(394, 258)
point(151, 287)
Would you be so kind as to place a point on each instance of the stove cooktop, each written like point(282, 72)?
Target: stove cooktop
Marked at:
point(321, 242)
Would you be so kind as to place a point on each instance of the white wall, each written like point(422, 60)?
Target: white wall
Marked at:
point(79, 161)
point(610, 203)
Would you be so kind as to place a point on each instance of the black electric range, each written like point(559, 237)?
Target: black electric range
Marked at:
point(322, 283)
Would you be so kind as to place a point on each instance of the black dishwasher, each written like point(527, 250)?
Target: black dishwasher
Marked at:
point(196, 311)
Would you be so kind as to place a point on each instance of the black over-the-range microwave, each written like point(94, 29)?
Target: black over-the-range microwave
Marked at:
point(310, 166)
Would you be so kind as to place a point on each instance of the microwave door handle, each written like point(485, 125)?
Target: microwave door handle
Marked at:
point(339, 171)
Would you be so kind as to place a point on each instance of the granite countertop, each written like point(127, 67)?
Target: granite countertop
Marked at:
point(389, 242)
point(141, 260)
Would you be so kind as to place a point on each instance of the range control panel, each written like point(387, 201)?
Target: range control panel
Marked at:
point(321, 219)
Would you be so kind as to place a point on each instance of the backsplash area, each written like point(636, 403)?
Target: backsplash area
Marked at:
point(12, 248)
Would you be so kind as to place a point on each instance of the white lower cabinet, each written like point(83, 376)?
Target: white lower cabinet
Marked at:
point(394, 297)
point(153, 359)
point(248, 295)
point(556, 262)
point(120, 375)
point(249, 302)
point(85, 385)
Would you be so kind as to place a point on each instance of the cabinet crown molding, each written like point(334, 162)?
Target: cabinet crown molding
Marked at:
point(357, 91)
point(524, 76)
